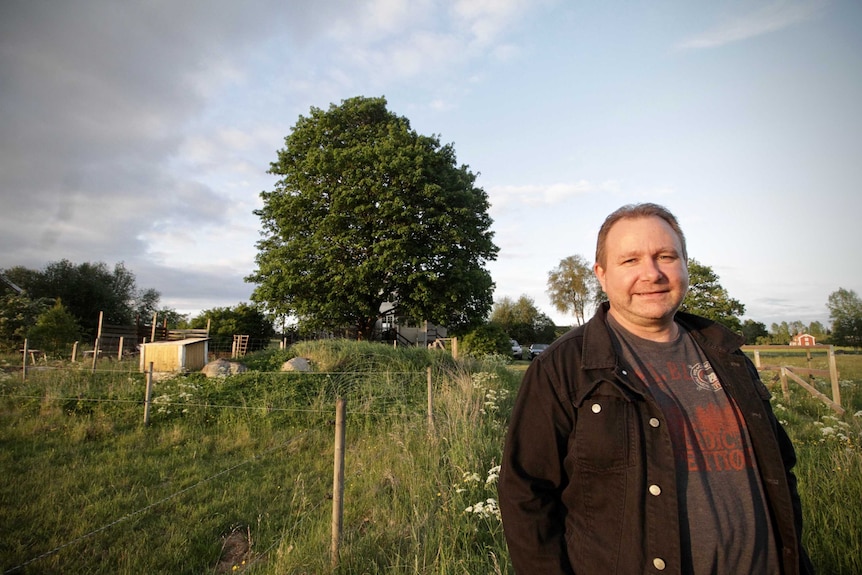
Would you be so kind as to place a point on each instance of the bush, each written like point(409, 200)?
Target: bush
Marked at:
point(489, 339)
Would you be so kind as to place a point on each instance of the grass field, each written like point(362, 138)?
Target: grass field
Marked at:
point(235, 475)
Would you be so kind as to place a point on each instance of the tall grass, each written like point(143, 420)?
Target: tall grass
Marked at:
point(235, 474)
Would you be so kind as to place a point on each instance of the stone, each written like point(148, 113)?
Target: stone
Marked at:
point(223, 368)
point(296, 364)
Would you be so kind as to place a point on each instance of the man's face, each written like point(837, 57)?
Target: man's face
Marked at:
point(644, 276)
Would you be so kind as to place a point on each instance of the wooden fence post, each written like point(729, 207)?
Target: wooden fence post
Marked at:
point(338, 483)
point(96, 352)
point(784, 389)
point(148, 394)
point(75, 352)
point(833, 375)
point(120, 349)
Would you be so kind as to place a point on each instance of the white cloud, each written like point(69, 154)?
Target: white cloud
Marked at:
point(776, 16)
point(541, 194)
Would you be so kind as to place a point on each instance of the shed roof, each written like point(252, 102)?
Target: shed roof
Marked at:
point(187, 341)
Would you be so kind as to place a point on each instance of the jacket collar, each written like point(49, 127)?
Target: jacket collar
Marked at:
point(601, 363)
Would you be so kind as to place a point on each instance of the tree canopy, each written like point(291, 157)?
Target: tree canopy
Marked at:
point(522, 320)
point(368, 211)
point(85, 290)
point(242, 319)
point(845, 311)
point(572, 287)
point(706, 297)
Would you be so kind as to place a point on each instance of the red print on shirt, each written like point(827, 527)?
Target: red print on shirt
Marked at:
point(714, 440)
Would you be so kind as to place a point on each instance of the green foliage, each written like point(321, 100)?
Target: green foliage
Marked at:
point(55, 330)
point(706, 297)
point(17, 314)
point(369, 211)
point(488, 339)
point(754, 332)
point(87, 289)
point(572, 287)
point(251, 454)
point(845, 311)
point(242, 319)
point(523, 321)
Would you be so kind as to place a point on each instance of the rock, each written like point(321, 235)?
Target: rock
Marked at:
point(222, 368)
point(296, 364)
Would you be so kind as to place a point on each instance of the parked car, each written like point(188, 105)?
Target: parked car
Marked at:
point(536, 349)
point(517, 352)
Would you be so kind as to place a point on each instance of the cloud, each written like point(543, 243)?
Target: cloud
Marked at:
point(771, 18)
point(502, 197)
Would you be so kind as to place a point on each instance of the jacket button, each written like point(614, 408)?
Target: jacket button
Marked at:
point(654, 422)
point(655, 489)
point(624, 372)
point(596, 408)
point(659, 563)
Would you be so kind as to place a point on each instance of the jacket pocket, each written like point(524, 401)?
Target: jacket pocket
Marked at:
point(604, 435)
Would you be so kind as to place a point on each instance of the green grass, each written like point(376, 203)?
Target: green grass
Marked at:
point(235, 475)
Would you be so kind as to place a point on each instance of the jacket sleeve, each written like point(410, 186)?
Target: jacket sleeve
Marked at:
point(533, 475)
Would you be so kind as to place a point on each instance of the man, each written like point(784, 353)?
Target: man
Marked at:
point(643, 441)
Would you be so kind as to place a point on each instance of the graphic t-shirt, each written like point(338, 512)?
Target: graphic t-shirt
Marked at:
point(724, 523)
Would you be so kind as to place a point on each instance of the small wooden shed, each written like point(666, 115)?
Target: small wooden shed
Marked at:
point(181, 355)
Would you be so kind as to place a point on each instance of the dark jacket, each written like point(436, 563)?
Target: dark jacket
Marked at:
point(586, 440)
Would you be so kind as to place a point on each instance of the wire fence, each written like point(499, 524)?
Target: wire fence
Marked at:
point(299, 399)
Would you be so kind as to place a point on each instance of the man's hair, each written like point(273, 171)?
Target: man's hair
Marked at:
point(632, 212)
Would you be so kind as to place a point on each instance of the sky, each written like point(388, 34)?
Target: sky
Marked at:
point(141, 132)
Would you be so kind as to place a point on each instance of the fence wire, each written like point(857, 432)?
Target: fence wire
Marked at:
point(143, 510)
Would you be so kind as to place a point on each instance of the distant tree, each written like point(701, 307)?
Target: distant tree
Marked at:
point(56, 329)
point(173, 318)
point(368, 211)
point(488, 339)
point(522, 320)
point(706, 297)
point(18, 313)
point(572, 287)
point(242, 319)
point(796, 327)
point(817, 330)
point(845, 311)
point(87, 289)
point(754, 332)
point(779, 333)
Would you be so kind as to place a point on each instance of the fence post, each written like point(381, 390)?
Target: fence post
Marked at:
point(833, 375)
point(338, 482)
point(24, 366)
point(148, 394)
point(120, 349)
point(75, 352)
point(96, 352)
point(784, 388)
point(430, 402)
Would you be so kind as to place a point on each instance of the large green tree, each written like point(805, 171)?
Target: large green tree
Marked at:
point(573, 287)
point(755, 332)
point(522, 320)
point(368, 211)
point(845, 311)
point(706, 297)
point(87, 289)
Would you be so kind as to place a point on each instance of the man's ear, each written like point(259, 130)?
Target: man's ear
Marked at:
point(600, 275)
